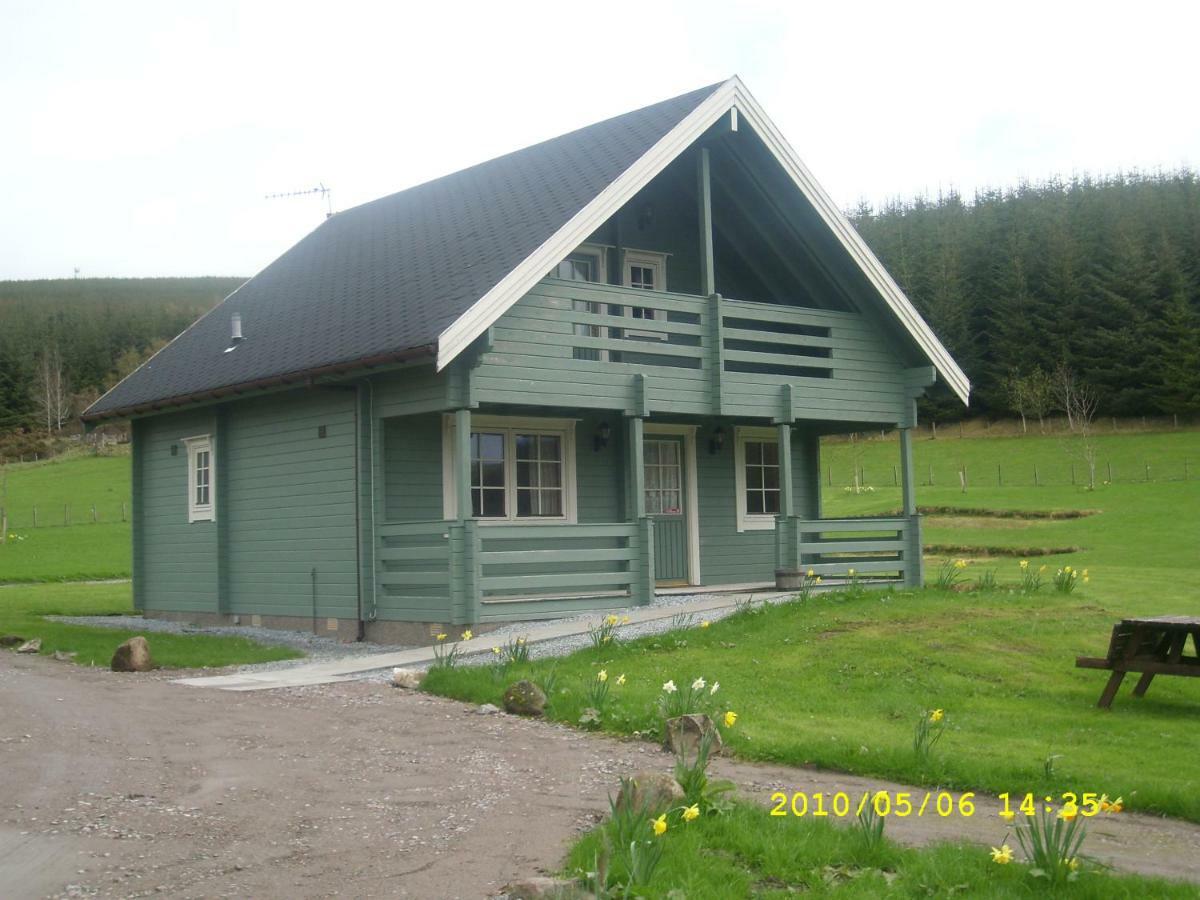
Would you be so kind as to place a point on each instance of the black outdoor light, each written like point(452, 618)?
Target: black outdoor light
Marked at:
point(600, 441)
point(717, 440)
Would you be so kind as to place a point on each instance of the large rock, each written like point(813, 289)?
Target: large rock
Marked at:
point(655, 792)
point(133, 656)
point(683, 733)
point(524, 698)
point(11, 640)
point(34, 646)
point(541, 887)
point(409, 679)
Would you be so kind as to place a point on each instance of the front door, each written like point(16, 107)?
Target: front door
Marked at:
point(665, 503)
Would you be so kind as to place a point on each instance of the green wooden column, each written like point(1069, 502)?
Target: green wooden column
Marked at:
point(220, 464)
point(635, 492)
point(914, 561)
point(786, 556)
point(137, 511)
point(704, 196)
point(464, 546)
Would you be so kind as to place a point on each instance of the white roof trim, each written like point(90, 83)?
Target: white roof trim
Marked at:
point(730, 95)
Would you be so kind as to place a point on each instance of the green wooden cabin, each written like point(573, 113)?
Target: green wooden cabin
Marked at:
point(556, 382)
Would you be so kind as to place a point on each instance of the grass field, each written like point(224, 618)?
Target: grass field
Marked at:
point(839, 681)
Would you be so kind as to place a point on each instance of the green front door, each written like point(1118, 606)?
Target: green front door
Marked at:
point(665, 503)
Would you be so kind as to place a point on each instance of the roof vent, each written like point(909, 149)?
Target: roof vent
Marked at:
point(235, 337)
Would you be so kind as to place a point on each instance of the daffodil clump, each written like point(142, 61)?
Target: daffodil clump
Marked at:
point(1066, 578)
point(445, 652)
point(951, 572)
point(810, 580)
point(697, 697)
point(930, 726)
point(1031, 578)
point(1052, 844)
point(604, 632)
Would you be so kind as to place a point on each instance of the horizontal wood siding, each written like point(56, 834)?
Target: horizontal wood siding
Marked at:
point(553, 348)
point(177, 560)
point(728, 556)
point(412, 452)
point(410, 391)
point(291, 505)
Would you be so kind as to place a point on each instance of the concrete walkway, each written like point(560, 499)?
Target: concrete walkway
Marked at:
point(357, 667)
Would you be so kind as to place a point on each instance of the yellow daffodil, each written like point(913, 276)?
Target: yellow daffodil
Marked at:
point(602, 675)
point(1002, 855)
point(467, 635)
point(850, 572)
point(621, 678)
point(1068, 813)
point(730, 719)
point(611, 620)
point(811, 573)
point(818, 579)
point(441, 636)
point(699, 684)
point(1007, 815)
point(496, 650)
point(1043, 568)
point(1117, 805)
point(607, 638)
point(691, 813)
point(716, 686)
point(624, 620)
point(705, 623)
point(1073, 864)
point(1067, 569)
point(659, 825)
point(521, 641)
point(669, 687)
point(937, 715)
point(960, 564)
point(1024, 564)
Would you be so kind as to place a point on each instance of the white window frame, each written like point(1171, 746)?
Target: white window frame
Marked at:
point(195, 445)
point(646, 259)
point(741, 436)
point(599, 251)
point(510, 426)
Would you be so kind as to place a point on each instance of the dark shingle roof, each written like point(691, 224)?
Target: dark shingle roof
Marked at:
point(392, 274)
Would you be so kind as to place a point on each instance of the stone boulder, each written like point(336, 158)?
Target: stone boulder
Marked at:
point(11, 640)
point(524, 698)
point(65, 655)
point(133, 656)
point(410, 679)
point(34, 646)
point(655, 792)
point(683, 733)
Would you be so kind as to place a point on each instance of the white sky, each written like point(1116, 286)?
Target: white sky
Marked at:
point(139, 138)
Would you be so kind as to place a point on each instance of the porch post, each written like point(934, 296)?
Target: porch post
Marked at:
point(914, 562)
point(462, 463)
point(464, 555)
point(786, 556)
point(704, 195)
point(642, 590)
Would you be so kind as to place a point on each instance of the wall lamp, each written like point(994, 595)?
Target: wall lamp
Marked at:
point(717, 440)
point(600, 440)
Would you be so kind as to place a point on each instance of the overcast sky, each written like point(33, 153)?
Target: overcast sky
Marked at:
point(140, 138)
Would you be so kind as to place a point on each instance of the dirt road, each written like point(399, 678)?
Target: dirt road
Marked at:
point(127, 785)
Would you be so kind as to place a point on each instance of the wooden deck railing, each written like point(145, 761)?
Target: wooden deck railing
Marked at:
point(875, 548)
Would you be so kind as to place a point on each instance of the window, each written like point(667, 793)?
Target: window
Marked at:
point(201, 479)
point(647, 272)
point(585, 264)
point(521, 469)
point(664, 487)
point(756, 456)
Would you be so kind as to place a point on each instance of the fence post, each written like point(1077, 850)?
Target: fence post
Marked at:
point(35, 515)
point(931, 474)
point(999, 476)
point(896, 474)
point(1185, 470)
point(3, 525)
point(66, 513)
point(122, 510)
point(1147, 471)
point(93, 513)
point(1036, 483)
point(1072, 473)
point(1109, 466)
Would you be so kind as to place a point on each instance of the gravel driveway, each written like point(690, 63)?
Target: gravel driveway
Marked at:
point(128, 785)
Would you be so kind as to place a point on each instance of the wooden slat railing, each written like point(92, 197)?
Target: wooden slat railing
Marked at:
point(876, 548)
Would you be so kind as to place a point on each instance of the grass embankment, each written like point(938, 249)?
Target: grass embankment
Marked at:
point(53, 552)
point(838, 682)
point(745, 853)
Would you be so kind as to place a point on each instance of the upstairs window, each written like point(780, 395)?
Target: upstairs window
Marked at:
point(588, 263)
point(201, 478)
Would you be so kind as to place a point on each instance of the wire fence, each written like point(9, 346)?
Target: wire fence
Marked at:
point(1013, 474)
point(59, 515)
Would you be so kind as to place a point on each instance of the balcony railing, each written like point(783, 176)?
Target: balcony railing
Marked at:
point(887, 549)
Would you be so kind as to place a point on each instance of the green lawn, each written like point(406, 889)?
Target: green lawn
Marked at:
point(838, 682)
point(23, 606)
point(746, 853)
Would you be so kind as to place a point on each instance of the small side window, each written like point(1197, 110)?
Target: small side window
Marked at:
point(201, 480)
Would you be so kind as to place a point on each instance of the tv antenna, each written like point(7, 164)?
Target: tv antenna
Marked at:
point(319, 189)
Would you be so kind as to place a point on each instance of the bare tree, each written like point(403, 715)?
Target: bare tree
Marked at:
point(1039, 395)
point(1079, 401)
point(52, 390)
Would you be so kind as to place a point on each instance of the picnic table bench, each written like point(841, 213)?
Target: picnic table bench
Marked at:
point(1152, 646)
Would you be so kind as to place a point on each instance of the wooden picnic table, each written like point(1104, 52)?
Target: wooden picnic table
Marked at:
point(1152, 646)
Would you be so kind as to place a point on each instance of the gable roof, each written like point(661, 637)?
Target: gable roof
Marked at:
point(371, 284)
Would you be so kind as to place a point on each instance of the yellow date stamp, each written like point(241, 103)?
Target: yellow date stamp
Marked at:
point(900, 804)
